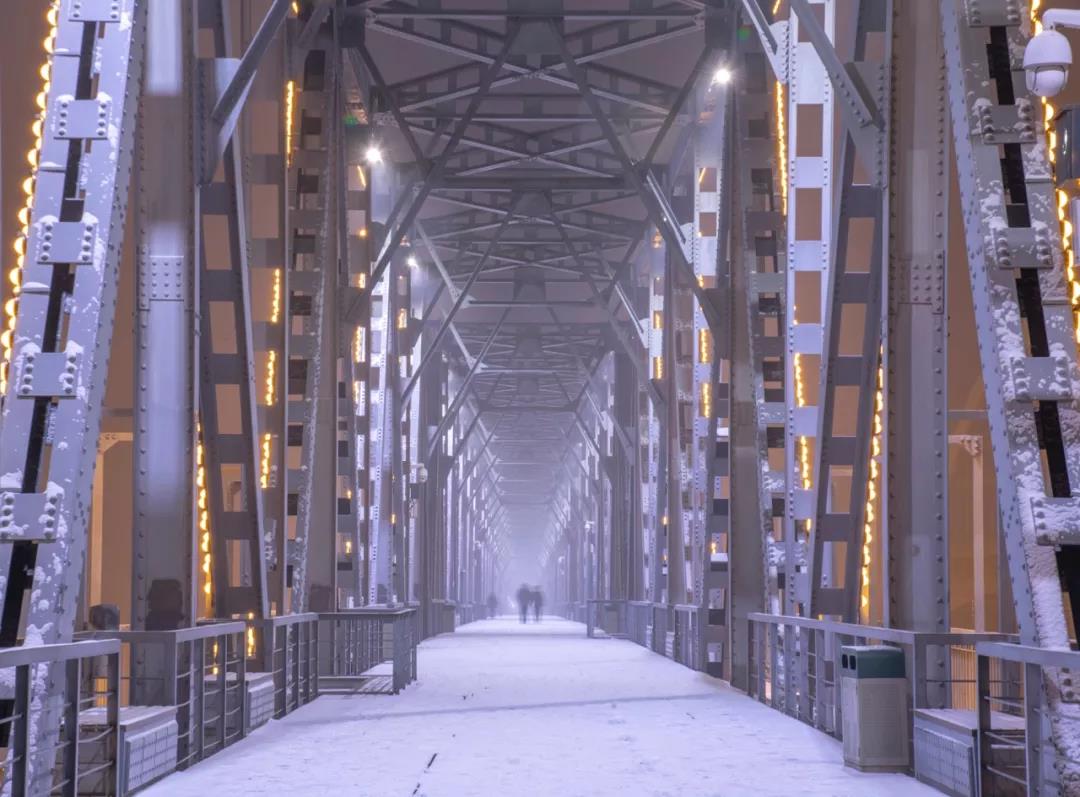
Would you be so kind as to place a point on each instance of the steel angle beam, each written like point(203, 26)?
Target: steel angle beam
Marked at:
point(227, 412)
point(311, 263)
point(55, 376)
point(852, 284)
point(1007, 195)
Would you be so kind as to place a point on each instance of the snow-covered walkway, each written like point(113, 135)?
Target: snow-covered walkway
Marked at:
point(537, 710)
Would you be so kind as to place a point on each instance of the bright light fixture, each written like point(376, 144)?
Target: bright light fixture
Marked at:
point(373, 155)
point(722, 76)
point(412, 262)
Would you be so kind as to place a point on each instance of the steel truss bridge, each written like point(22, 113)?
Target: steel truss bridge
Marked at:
point(412, 300)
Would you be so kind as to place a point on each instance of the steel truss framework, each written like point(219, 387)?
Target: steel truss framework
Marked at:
point(430, 294)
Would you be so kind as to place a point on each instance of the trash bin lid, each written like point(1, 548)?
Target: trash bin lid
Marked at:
point(871, 661)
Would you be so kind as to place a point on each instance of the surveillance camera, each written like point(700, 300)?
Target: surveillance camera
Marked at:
point(1047, 59)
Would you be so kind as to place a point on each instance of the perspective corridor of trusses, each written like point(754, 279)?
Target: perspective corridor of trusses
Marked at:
point(645, 299)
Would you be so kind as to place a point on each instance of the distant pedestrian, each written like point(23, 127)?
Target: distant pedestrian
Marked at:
point(492, 604)
point(538, 603)
point(524, 597)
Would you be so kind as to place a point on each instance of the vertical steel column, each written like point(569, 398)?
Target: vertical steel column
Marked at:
point(312, 264)
point(809, 116)
point(917, 564)
point(164, 592)
point(270, 136)
point(354, 355)
point(758, 322)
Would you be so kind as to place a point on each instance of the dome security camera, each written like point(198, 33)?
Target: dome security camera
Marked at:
point(1047, 59)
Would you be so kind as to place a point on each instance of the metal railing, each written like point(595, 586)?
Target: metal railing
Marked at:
point(795, 666)
point(671, 631)
point(688, 646)
point(48, 750)
point(639, 622)
point(201, 670)
point(370, 650)
point(608, 616)
point(444, 614)
point(288, 647)
point(1020, 754)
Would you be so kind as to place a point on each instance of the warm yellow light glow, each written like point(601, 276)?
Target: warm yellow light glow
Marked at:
point(275, 298)
point(264, 460)
point(704, 340)
point(402, 318)
point(871, 494)
point(657, 319)
point(804, 444)
point(658, 367)
point(204, 524)
point(271, 378)
point(358, 345)
point(250, 637)
point(15, 274)
point(348, 547)
point(295, 8)
point(1049, 114)
point(290, 112)
point(363, 179)
point(781, 144)
point(706, 400)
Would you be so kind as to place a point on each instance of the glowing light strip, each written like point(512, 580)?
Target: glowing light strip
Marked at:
point(872, 492)
point(781, 145)
point(11, 306)
point(271, 377)
point(1049, 112)
point(704, 346)
point(706, 400)
point(804, 444)
point(290, 113)
point(204, 523)
point(250, 637)
point(275, 299)
point(264, 461)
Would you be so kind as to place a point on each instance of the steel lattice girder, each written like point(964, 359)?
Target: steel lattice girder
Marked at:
point(1031, 377)
point(63, 330)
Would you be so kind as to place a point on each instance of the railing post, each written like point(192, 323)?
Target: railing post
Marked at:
point(221, 660)
point(198, 676)
point(112, 719)
point(1033, 727)
point(984, 709)
point(242, 677)
point(72, 690)
point(20, 741)
point(170, 675)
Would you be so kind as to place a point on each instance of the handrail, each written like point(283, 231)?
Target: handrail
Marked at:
point(279, 620)
point(178, 635)
point(898, 635)
point(1026, 654)
point(50, 654)
point(369, 611)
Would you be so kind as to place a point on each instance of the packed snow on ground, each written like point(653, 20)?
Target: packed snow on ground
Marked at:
point(537, 710)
